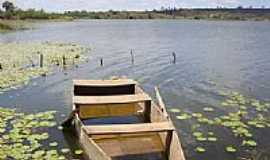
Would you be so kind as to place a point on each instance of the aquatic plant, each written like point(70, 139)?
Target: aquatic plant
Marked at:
point(174, 110)
point(241, 116)
point(200, 149)
point(78, 151)
point(208, 109)
point(230, 149)
point(183, 116)
point(20, 62)
point(23, 135)
point(250, 143)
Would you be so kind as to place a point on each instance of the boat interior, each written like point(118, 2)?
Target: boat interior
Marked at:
point(122, 120)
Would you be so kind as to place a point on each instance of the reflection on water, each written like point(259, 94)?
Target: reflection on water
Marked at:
point(210, 56)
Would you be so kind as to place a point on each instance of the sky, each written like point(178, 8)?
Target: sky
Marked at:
point(104, 5)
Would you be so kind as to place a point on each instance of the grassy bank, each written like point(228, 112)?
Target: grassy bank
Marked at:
point(12, 25)
point(5, 27)
point(21, 62)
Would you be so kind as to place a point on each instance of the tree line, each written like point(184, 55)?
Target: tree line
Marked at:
point(10, 11)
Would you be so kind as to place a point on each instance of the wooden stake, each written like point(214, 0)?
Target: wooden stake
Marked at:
point(64, 60)
point(1, 68)
point(174, 57)
point(132, 56)
point(101, 61)
point(41, 61)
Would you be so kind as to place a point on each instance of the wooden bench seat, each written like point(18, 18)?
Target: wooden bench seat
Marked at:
point(129, 128)
point(115, 99)
point(104, 83)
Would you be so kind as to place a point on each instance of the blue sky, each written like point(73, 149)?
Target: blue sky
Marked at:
point(97, 5)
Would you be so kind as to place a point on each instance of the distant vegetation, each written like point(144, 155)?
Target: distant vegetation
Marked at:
point(10, 12)
point(209, 14)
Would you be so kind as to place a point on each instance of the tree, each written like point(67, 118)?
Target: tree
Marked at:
point(240, 7)
point(8, 6)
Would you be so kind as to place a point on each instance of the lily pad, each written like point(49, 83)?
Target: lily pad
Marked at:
point(230, 149)
point(212, 139)
point(174, 110)
point(60, 128)
point(78, 151)
point(208, 109)
point(201, 139)
point(183, 116)
point(53, 144)
point(250, 143)
point(197, 134)
point(200, 149)
point(65, 150)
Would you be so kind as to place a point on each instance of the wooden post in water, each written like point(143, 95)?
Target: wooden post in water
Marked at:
point(174, 57)
point(132, 56)
point(1, 68)
point(41, 60)
point(101, 62)
point(64, 60)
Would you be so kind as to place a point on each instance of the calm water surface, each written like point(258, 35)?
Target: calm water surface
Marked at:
point(210, 56)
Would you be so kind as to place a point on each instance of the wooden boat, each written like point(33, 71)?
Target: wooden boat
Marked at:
point(117, 120)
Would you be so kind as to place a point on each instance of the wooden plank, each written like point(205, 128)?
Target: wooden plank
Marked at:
point(120, 99)
point(176, 151)
point(147, 111)
point(129, 128)
point(132, 145)
point(168, 143)
point(103, 90)
point(101, 83)
point(108, 110)
point(161, 103)
point(91, 149)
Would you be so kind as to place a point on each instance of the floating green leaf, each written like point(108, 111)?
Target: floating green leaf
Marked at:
point(53, 144)
point(200, 149)
point(78, 151)
point(230, 149)
point(197, 134)
point(183, 116)
point(201, 139)
point(250, 143)
point(174, 110)
point(60, 128)
point(208, 109)
point(212, 139)
point(65, 150)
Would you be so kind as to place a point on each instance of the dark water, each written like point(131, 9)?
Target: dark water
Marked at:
point(210, 56)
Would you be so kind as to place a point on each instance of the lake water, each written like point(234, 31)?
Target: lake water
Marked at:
point(211, 55)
